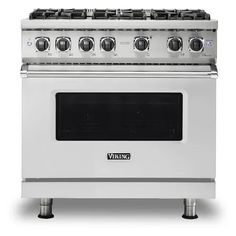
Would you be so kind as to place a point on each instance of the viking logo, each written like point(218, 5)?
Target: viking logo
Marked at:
point(118, 156)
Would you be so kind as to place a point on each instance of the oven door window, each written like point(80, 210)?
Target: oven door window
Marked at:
point(119, 116)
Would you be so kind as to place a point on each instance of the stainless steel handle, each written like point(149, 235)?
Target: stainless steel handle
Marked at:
point(26, 73)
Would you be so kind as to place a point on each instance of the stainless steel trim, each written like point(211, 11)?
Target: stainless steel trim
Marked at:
point(214, 72)
point(176, 190)
point(188, 180)
point(119, 24)
point(25, 73)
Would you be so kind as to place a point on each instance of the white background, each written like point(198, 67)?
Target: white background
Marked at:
point(114, 217)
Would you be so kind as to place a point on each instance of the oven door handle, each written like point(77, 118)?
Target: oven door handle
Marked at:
point(26, 72)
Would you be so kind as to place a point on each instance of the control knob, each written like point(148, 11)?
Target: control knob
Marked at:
point(86, 44)
point(108, 44)
point(141, 43)
point(175, 44)
point(196, 44)
point(42, 44)
point(63, 44)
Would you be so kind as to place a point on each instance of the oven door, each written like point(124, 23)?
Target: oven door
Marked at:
point(118, 123)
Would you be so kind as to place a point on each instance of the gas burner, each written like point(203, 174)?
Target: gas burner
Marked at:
point(179, 15)
point(73, 14)
point(132, 14)
point(59, 14)
point(43, 14)
point(126, 14)
point(159, 15)
point(194, 15)
point(104, 14)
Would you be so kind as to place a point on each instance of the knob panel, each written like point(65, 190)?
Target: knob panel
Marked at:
point(141, 43)
point(63, 44)
point(175, 44)
point(108, 44)
point(42, 44)
point(86, 44)
point(196, 45)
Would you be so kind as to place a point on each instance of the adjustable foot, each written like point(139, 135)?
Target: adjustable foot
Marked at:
point(190, 209)
point(45, 208)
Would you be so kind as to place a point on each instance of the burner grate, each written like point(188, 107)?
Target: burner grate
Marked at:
point(59, 14)
point(119, 14)
point(194, 15)
point(179, 15)
point(132, 14)
point(126, 14)
point(44, 14)
point(73, 14)
point(104, 13)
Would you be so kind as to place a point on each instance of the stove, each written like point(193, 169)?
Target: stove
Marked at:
point(119, 103)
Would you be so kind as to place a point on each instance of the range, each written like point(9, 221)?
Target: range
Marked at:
point(119, 103)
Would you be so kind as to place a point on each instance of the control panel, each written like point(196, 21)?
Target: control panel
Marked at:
point(119, 46)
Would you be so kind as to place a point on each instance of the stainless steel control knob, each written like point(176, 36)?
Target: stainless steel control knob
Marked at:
point(108, 44)
point(175, 44)
point(86, 44)
point(63, 44)
point(196, 44)
point(141, 43)
point(42, 44)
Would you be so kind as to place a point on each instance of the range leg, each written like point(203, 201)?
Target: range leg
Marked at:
point(45, 208)
point(190, 209)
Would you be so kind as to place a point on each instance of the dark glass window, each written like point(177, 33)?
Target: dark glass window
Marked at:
point(119, 116)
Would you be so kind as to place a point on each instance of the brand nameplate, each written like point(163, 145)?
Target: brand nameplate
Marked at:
point(118, 156)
